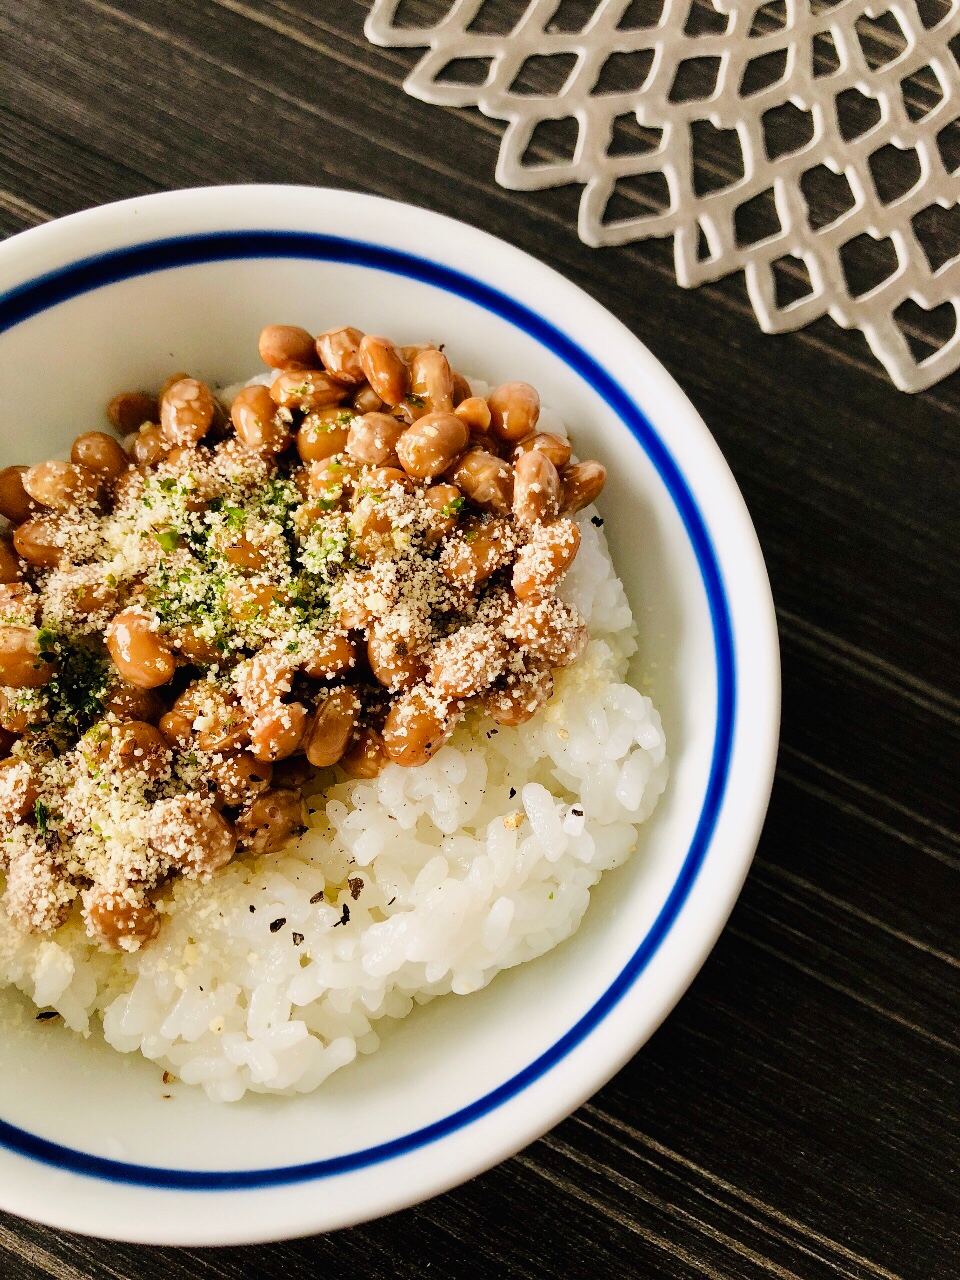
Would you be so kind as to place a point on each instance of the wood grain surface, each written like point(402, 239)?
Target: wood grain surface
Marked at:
point(797, 1115)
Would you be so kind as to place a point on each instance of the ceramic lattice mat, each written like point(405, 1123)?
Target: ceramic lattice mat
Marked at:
point(813, 143)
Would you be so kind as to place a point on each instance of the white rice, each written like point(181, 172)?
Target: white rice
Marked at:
point(433, 880)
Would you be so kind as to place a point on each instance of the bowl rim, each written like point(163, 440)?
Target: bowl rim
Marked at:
point(92, 271)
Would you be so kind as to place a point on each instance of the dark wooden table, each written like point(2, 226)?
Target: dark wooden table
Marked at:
point(797, 1114)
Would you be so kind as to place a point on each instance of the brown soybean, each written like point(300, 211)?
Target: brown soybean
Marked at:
point(278, 731)
point(187, 411)
point(191, 644)
point(14, 719)
point(322, 434)
point(580, 485)
point(11, 566)
point(443, 503)
point(549, 630)
point(393, 663)
point(252, 601)
point(377, 479)
point(514, 410)
point(242, 553)
point(366, 400)
point(432, 378)
point(149, 445)
point(116, 922)
point(171, 381)
point(127, 702)
point(306, 389)
point(339, 349)
point(417, 726)
point(486, 480)
point(293, 772)
point(101, 454)
point(384, 368)
point(541, 564)
point(60, 485)
point(555, 447)
point(331, 727)
point(330, 479)
point(21, 666)
point(129, 410)
point(238, 776)
point(20, 796)
point(366, 756)
point(15, 503)
point(468, 661)
point(193, 835)
point(270, 819)
point(254, 417)
point(372, 439)
point(353, 613)
point(38, 542)
point(92, 596)
point(335, 654)
point(138, 746)
point(518, 698)
point(223, 725)
point(471, 559)
point(138, 653)
point(287, 346)
point(475, 412)
point(429, 447)
point(177, 729)
point(536, 488)
point(18, 603)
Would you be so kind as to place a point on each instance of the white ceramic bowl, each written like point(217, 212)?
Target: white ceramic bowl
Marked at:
point(118, 297)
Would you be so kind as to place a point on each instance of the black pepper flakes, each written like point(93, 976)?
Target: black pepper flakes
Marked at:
point(355, 885)
point(596, 520)
point(317, 897)
point(513, 792)
point(252, 908)
point(277, 925)
point(344, 917)
point(297, 939)
point(47, 1015)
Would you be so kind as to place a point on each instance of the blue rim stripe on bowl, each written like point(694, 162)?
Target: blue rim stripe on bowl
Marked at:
point(93, 273)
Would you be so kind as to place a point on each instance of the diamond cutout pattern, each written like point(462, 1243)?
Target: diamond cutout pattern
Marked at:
point(812, 144)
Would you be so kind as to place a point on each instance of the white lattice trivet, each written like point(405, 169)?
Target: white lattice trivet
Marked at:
point(889, 60)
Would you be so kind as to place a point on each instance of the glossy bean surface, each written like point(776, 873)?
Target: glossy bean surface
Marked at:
point(187, 411)
point(60, 486)
point(339, 349)
point(255, 420)
point(432, 444)
point(417, 726)
point(21, 666)
point(514, 410)
point(384, 368)
point(485, 479)
point(287, 346)
point(128, 411)
point(330, 729)
point(140, 655)
point(536, 489)
point(102, 455)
